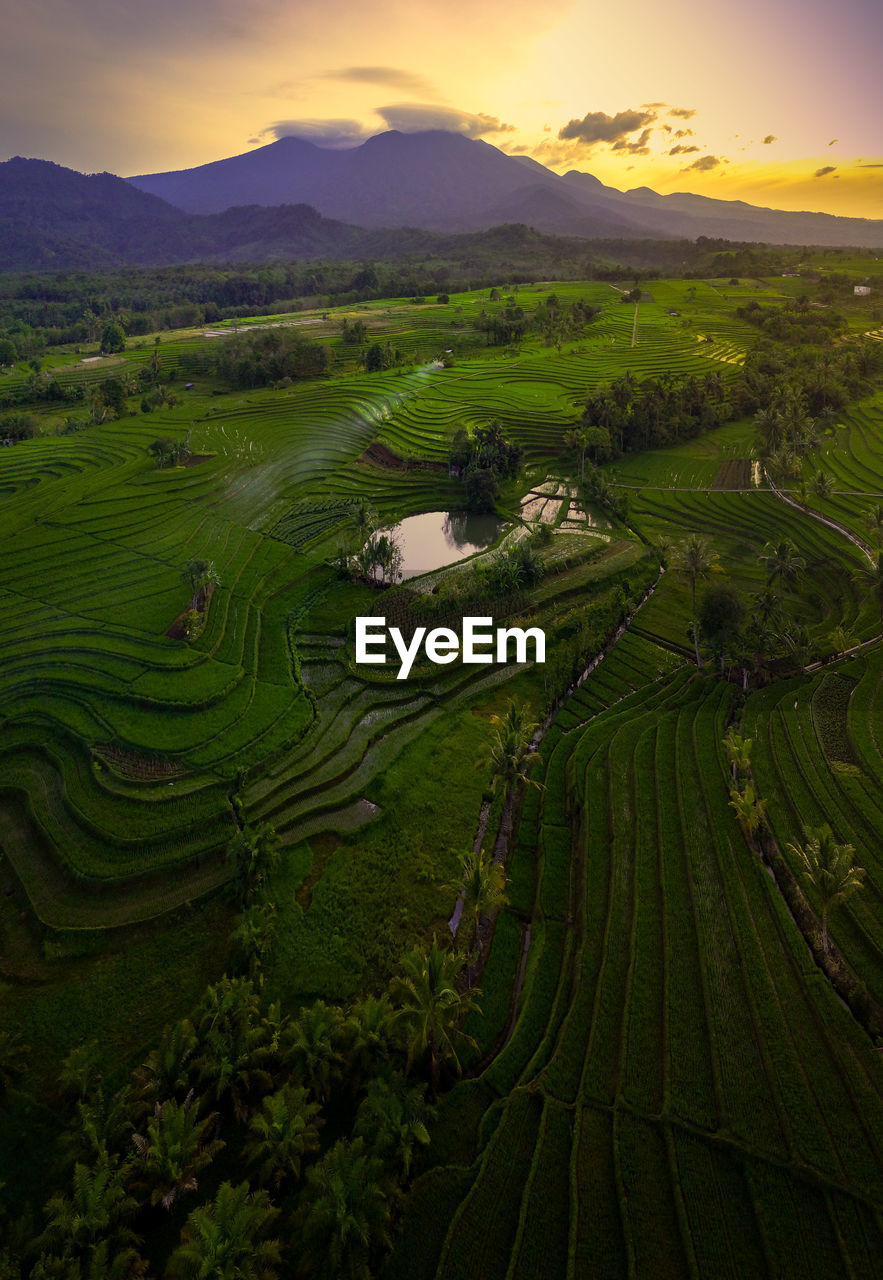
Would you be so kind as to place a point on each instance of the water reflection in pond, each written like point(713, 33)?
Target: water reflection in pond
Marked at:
point(437, 538)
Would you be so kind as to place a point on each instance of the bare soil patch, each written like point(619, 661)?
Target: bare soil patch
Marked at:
point(380, 456)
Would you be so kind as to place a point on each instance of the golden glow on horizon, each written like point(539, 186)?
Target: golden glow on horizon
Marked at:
point(201, 81)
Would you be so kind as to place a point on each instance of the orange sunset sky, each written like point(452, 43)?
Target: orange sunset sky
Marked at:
point(777, 102)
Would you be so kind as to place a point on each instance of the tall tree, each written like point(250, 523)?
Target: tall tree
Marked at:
point(430, 1008)
point(695, 561)
point(830, 868)
point(344, 1216)
point(870, 578)
point(228, 1238)
point(783, 564)
point(285, 1130)
point(484, 882)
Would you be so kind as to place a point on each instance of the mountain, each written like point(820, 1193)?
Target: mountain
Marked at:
point(53, 218)
point(446, 182)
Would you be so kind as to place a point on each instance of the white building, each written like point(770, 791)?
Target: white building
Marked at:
point(862, 290)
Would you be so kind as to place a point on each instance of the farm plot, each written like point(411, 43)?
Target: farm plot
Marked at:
point(682, 1058)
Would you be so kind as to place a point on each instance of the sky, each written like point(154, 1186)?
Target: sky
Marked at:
point(775, 102)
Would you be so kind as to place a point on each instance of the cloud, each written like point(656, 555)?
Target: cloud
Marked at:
point(833, 140)
point(653, 106)
point(771, 137)
point(597, 127)
point(869, 166)
point(680, 150)
point(392, 76)
point(417, 117)
point(824, 171)
point(684, 133)
point(683, 113)
point(703, 164)
point(324, 133)
point(638, 147)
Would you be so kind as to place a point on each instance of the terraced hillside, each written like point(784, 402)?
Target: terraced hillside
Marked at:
point(683, 1093)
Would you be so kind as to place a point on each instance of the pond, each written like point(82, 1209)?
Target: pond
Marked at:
point(437, 538)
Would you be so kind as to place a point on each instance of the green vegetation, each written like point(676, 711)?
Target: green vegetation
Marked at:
point(232, 1031)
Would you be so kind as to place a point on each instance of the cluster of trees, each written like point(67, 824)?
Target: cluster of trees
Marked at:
point(369, 553)
point(267, 357)
point(250, 1143)
point(18, 426)
point(827, 377)
point(794, 324)
point(482, 461)
point(168, 452)
point(653, 412)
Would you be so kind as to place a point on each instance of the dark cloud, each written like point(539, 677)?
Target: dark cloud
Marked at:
point(666, 128)
point(653, 106)
point(703, 164)
point(638, 147)
point(833, 140)
point(416, 117)
point(325, 133)
point(771, 137)
point(684, 133)
point(597, 126)
point(870, 166)
point(680, 150)
point(392, 76)
point(824, 171)
point(683, 113)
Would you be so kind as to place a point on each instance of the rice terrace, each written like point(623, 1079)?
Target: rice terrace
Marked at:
point(497, 970)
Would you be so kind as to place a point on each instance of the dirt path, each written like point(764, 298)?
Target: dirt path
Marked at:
point(635, 325)
point(816, 515)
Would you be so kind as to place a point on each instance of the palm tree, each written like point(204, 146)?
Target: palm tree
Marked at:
point(829, 868)
point(392, 1120)
point(13, 1059)
point(870, 577)
point(167, 1071)
point(366, 1036)
point(511, 761)
point(695, 561)
point(285, 1130)
point(237, 1045)
point(750, 810)
point(314, 1047)
point(198, 574)
point(822, 485)
point(484, 881)
point(95, 1212)
point(176, 1147)
point(252, 939)
point(782, 562)
point(739, 752)
point(345, 1214)
point(874, 521)
point(227, 1239)
point(431, 1009)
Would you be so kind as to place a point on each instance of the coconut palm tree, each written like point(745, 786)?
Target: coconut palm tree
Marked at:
point(175, 1148)
point(227, 1239)
point(782, 562)
point(392, 1120)
point(237, 1045)
point(167, 1071)
point(314, 1047)
point(284, 1131)
point(830, 868)
point(198, 574)
point(750, 810)
point(345, 1214)
point(695, 561)
point(484, 882)
point(870, 578)
point(738, 751)
point(430, 1008)
point(511, 761)
point(91, 1221)
point(874, 521)
point(822, 485)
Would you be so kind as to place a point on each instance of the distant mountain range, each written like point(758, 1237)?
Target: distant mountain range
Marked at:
point(446, 182)
point(389, 196)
